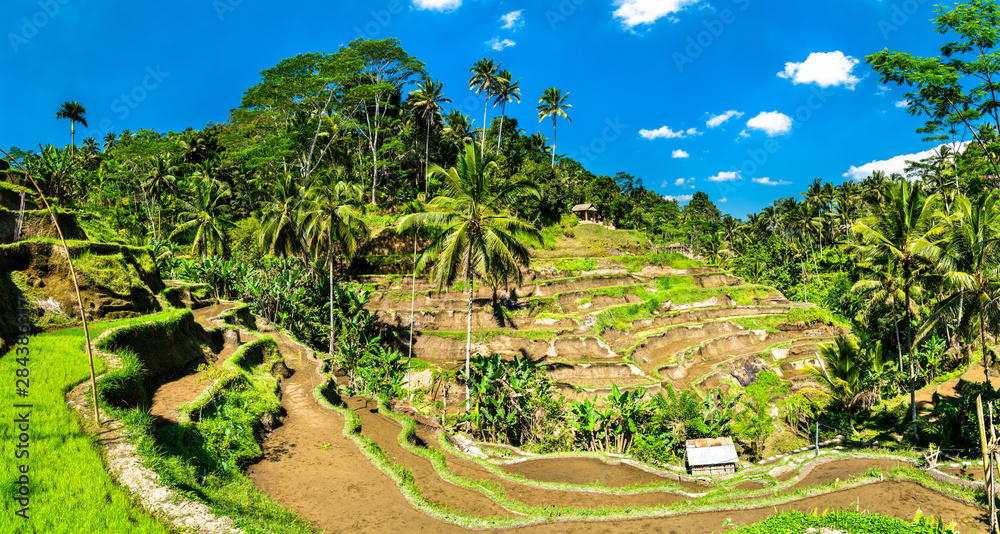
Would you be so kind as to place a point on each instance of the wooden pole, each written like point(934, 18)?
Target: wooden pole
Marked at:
point(76, 285)
point(992, 478)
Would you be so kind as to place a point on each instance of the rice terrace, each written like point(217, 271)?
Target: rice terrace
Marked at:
point(741, 275)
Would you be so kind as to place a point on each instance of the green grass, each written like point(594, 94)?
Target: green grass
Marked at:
point(70, 489)
point(850, 522)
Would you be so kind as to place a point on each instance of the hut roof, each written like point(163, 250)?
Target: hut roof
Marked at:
point(584, 207)
point(711, 452)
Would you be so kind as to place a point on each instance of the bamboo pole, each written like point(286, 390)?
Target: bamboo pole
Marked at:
point(76, 285)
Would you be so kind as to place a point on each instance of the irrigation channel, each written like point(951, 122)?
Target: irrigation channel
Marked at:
point(310, 467)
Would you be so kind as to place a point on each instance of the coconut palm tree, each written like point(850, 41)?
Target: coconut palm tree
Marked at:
point(279, 225)
point(427, 100)
point(204, 215)
point(540, 143)
point(485, 78)
point(843, 373)
point(971, 267)
point(75, 113)
point(553, 102)
point(508, 90)
point(902, 234)
point(330, 218)
point(477, 237)
point(458, 126)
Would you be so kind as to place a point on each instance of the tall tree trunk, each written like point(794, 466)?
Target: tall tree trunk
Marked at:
point(909, 352)
point(330, 265)
point(982, 335)
point(482, 142)
point(427, 162)
point(555, 138)
point(503, 107)
point(413, 299)
point(468, 331)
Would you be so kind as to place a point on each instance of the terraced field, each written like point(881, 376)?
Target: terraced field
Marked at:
point(692, 328)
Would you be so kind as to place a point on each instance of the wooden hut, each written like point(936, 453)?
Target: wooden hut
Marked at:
point(711, 457)
point(586, 211)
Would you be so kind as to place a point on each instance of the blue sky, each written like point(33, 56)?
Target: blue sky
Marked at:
point(747, 100)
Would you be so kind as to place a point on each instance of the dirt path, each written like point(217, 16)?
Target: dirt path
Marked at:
point(540, 497)
point(385, 432)
point(925, 396)
point(312, 469)
point(171, 395)
point(844, 469)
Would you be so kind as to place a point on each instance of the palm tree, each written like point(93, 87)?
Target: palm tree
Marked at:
point(330, 217)
point(843, 373)
point(540, 143)
point(75, 113)
point(553, 102)
point(279, 226)
point(477, 238)
point(427, 100)
point(458, 126)
point(485, 78)
point(971, 267)
point(902, 234)
point(204, 215)
point(508, 90)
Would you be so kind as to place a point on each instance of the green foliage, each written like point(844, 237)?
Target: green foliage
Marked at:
point(511, 401)
point(957, 426)
point(754, 424)
point(850, 522)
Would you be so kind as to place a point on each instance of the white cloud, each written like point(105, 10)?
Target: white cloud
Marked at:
point(771, 122)
point(895, 165)
point(681, 182)
point(438, 5)
point(498, 45)
point(718, 120)
point(823, 69)
point(723, 200)
point(678, 198)
point(679, 154)
point(902, 104)
point(637, 12)
point(513, 20)
point(664, 132)
point(882, 89)
point(727, 176)
point(768, 181)
point(744, 134)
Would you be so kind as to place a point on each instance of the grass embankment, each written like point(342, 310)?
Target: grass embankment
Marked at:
point(218, 434)
point(719, 498)
point(70, 489)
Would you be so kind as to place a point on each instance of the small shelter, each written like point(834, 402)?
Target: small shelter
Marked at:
point(588, 211)
point(712, 457)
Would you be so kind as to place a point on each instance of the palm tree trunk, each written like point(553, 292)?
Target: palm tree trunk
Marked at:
point(413, 299)
point(427, 151)
point(555, 138)
point(982, 335)
point(72, 137)
point(500, 135)
point(330, 265)
point(909, 353)
point(482, 142)
point(468, 332)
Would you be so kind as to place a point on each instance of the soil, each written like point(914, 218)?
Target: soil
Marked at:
point(582, 471)
point(842, 470)
point(171, 395)
point(540, 497)
point(750, 486)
